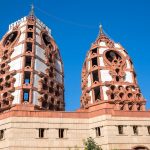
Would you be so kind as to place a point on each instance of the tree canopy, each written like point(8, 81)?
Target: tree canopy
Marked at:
point(90, 144)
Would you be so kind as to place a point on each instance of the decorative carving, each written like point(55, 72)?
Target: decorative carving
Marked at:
point(106, 58)
point(85, 99)
point(10, 39)
point(31, 19)
point(52, 97)
point(117, 65)
point(112, 93)
point(127, 96)
point(6, 77)
point(103, 38)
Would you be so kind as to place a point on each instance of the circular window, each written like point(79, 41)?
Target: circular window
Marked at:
point(10, 38)
point(112, 56)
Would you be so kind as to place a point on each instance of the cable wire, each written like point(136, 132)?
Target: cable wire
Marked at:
point(66, 21)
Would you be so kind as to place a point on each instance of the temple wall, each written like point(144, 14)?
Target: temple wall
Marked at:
point(23, 132)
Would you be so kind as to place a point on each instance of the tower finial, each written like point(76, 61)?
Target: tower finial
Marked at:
point(101, 29)
point(32, 10)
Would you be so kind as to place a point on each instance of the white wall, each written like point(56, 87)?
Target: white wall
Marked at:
point(102, 44)
point(58, 65)
point(105, 76)
point(89, 80)
point(40, 52)
point(37, 24)
point(23, 29)
point(18, 79)
point(104, 88)
point(90, 94)
point(16, 64)
point(16, 95)
point(101, 50)
point(20, 22)
point(22, 37)
point(40, 66)
point(88, 65)
point(117, 45)
point(128, 64)
point(101, 61)
point(128, 77)
point(36, 79)
point(23, 23)
point(40, 24)
point(35, 97)
point(38, 39)
point(18, 50)
point(38, 31)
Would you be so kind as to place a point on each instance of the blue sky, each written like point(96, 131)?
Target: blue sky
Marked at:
point(75, 25)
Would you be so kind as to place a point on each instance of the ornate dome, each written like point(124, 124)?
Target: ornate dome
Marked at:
point(31, 69)
point(108, 77)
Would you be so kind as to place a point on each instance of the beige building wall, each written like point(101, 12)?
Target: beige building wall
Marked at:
point(22, 133)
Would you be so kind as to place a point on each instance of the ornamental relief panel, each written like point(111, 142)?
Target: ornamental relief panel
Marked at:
point(7, 79)
point(116, 64)
point(130, 93)
point(52, 92)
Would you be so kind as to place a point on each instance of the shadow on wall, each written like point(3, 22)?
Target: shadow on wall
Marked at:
point(140, 148)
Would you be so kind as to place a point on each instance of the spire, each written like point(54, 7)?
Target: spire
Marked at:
point(32, 10)
point(101, 32)
point(100, 29)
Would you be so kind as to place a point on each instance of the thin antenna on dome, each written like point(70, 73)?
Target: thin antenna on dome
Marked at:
point(32, 10)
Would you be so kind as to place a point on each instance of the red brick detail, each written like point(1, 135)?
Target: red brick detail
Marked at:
point(94, 111)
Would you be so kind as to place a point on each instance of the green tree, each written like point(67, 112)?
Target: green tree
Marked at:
point(91, 145)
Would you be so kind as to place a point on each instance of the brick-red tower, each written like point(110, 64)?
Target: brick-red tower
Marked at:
point(108, 76)
point(31, 69)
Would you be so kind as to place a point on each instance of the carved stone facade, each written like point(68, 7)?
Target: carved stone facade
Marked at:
point(32, 103)
point(20, 129)
point(108, 75)
point(31, 67)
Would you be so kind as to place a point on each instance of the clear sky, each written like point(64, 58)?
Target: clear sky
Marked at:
point(75, 25)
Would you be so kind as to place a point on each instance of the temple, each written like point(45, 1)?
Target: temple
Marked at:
point(32, 103)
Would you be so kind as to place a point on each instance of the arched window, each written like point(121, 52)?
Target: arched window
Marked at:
point(10, 38)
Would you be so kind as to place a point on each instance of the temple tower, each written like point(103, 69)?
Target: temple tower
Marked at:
point(108, 76)
point(32, 115)
point(31, 69)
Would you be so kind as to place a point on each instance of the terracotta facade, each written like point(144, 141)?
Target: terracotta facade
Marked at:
point(33, 63)
point(32, 105)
